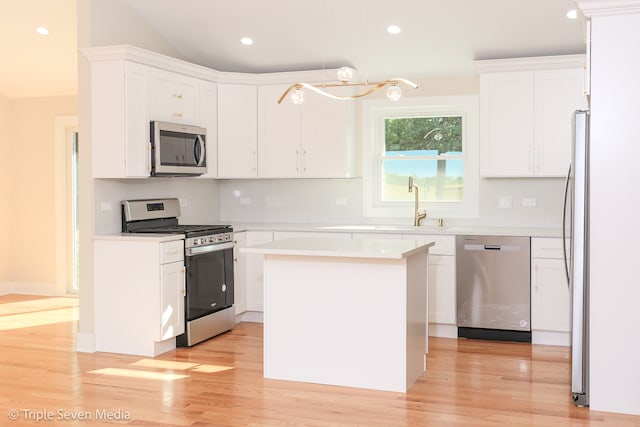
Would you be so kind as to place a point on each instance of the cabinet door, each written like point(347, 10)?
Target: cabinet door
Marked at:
point(173, 97)
point(442, 289)
point(507, 124)
point(188, 89)
point(240, 272)
point(209, 120)
point(237, 131)
point(558, 94)
point(138, 146)
point(550, 297)
point(255, 271)
point(327, 135)
point(172, 292)
point(279, 134)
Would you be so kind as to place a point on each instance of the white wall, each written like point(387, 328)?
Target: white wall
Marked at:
point(199, 199)
point(30, 191)
point(316, 201)
point(6, 194)
point(615, 207)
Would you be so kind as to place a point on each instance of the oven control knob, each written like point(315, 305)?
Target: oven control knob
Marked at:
point(224, 287)
point(212, 239)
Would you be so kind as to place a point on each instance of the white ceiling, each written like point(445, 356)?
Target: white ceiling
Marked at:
point(438, 37)
point(34, 65)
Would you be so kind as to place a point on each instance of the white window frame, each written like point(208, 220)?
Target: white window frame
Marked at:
point(374, 112)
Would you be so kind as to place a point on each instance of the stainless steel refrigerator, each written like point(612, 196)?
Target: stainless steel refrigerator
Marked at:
point(576, 254)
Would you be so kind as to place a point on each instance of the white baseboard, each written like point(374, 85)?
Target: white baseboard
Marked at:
point(251, 316)
point(443, 330)
point(30, 288)
point(551, 338)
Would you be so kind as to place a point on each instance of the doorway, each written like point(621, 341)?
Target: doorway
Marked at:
point(67, 230)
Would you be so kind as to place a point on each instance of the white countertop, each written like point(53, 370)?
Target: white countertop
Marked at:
point(402, 229)
point(340, 247)
point(139, 237)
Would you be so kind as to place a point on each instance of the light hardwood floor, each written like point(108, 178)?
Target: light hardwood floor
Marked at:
point(219, 383)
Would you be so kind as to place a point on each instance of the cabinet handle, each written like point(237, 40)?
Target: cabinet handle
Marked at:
point(183, 270)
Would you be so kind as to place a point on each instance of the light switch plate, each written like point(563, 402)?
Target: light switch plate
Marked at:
point(505, 202)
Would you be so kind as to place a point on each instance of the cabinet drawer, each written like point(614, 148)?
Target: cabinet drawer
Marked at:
point(171, 251)
point(444, 245)
point(546, 247)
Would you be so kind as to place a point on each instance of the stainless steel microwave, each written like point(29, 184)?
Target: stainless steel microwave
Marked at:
point(178, 150)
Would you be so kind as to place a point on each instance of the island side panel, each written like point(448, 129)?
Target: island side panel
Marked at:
point(417, 314)
point(340, 321)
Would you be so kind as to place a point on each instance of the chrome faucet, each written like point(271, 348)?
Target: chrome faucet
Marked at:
point(418, 215)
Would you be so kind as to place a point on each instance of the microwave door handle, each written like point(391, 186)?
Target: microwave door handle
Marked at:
point(203, 155)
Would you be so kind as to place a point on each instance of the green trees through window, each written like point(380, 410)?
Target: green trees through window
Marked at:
point(429, 149)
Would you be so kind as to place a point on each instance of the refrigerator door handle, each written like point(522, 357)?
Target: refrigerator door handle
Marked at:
point(564, 226)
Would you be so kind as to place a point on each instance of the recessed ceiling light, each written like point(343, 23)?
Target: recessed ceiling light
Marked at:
point(572, 14)
point(393, 29)
point(42, 31)
point(247, 41)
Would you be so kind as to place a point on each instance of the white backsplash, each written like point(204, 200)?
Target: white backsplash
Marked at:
point(340, 201)
point(333, 201)
point(199, 199)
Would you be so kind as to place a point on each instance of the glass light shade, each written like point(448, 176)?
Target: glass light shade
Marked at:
point(345, 74)
point(297, 97)
point(394, 93)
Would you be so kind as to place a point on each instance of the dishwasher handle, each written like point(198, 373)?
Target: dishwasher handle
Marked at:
point(502, 248)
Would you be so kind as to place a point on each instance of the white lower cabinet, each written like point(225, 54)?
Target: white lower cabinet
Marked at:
point(442, 284)
point(550, 295)
point(239, 273)
point(139, 286)
point(255, 270)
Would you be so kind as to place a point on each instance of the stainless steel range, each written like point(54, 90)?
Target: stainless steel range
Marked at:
point(208, 254)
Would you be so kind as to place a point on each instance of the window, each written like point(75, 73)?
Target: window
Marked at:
point(434, 140)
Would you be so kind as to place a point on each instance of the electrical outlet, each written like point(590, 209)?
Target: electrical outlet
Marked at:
point(342, 201)
point(245, 200)
point(529, 202)
point(182, 202)
point(105, 207)
point(505, 202)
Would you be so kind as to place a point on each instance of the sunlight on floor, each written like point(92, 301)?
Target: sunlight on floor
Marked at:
point(167, 365)
point(37, 312)
point(132, 373)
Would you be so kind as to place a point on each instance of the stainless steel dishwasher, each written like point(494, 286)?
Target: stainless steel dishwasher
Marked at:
point(494, 287)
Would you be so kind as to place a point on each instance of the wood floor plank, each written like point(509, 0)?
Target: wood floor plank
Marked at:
point(220, 383)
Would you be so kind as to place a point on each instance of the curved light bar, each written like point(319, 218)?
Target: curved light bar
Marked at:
point(373, 86)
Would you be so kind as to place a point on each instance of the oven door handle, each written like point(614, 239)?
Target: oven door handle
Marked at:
point(209, 248)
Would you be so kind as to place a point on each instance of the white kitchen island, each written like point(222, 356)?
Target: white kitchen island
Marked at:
point(345, 312)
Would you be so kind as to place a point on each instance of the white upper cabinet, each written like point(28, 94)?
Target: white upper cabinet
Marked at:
point(120, 119)
point(278, 134)
point(559, 93)
point(526, 115)
point(311, 140)
point(208, 96)
point(173, 97)
point(237, 131)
